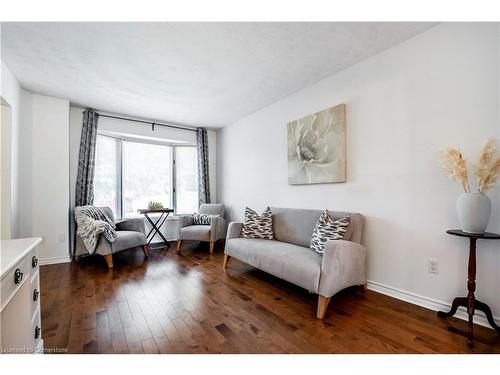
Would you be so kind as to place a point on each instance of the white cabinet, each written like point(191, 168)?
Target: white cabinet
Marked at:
point(20, 323)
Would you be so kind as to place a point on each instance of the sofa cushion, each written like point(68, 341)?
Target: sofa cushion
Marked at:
point(295, 225)
point(327, 228)
point(259, 227)
point(196, 233)
point(126, 239)
point(296, 264)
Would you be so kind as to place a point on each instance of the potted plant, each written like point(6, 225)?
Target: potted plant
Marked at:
point(473, 207)
point(152, 205)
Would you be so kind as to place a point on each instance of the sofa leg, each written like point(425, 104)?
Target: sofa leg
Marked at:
point(212, 245)
point(226, 261)
point(109, 260)
point(145, 248)
point(322, 305)
point(179, 244)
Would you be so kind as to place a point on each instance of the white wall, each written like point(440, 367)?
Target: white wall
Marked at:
point(40, 169)
point(437, 89)
point(6, 167)
point(10, 91)
point(44, 174)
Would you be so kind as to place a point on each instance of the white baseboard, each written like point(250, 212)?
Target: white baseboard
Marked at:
point(429, 303)
point(54, 260)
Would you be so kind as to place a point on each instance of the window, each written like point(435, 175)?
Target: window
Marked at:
point(186, 180)
point(130, 173)
point(106, 175)
point(147, 176)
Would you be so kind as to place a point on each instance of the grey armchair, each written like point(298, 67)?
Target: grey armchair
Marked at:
point(204, 233)
point(129, 233)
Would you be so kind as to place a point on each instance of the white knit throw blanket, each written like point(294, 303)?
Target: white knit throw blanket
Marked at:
point(91, 222)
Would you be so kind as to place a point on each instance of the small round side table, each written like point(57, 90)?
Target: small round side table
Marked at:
point(470, 302)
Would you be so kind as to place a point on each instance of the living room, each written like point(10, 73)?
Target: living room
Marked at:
point(250, 187)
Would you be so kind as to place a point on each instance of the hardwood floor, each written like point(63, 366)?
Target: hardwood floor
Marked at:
point(186, 303)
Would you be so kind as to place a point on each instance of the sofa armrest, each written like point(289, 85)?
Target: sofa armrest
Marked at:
point(184, 220)
point(135, 224)
point(343, 265)
point(217, 227)
point(234, 230)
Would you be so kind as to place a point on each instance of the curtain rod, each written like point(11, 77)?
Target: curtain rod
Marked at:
point(152, 123)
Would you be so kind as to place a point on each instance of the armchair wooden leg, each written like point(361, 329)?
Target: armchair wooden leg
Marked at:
point(109, 260)
point(322, 305)
point(212, 245)
point(226, 261)
point(179, 244)
point(145, 248)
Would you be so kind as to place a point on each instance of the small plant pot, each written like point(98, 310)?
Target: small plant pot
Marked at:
point(473, 211)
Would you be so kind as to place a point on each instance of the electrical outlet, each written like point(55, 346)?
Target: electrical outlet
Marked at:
point(62, 238)
point(433, 266)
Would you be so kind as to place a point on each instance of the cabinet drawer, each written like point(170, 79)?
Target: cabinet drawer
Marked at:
point(33, 258)
point(13, 280)
point(36, 330)
point(35, 293)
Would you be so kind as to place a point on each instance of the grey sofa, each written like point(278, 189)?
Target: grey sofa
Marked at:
point(204, 233)
point(290, 258)
point(129, 233)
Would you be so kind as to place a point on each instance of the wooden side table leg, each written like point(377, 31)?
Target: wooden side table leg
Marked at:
point(471, 287)
point(457, 302)
point(478, 305)
point(470, 331)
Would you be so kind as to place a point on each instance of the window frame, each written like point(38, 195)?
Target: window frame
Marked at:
point(119, 150)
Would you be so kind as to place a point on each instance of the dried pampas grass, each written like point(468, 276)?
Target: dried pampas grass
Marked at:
point(487, 172)
point(455, 166)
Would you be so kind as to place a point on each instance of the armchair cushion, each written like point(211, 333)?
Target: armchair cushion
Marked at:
point(195, 233)
point(126, 239)
point(134, 224)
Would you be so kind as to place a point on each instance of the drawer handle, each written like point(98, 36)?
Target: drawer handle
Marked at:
point(18, 276)
point(37, 332)
point(36, 293)
point(34, 261)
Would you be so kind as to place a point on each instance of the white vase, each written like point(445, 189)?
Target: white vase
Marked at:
point(473, 212)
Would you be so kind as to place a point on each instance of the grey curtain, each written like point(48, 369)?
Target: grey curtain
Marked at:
point(203, 180)
point(86, 160)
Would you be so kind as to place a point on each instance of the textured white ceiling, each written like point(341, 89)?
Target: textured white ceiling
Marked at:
point(208, 74)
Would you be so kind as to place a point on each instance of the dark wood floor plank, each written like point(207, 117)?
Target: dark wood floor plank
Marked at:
point(186, 303)
point(103, 333)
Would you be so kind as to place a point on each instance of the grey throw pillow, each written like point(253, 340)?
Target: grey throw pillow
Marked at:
point(327, 228)
point(258, 227)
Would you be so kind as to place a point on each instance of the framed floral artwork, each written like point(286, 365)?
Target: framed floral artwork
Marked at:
point(317, 147)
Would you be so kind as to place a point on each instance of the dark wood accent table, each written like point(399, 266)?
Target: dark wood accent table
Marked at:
point(155, 230)
point(470, 302)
